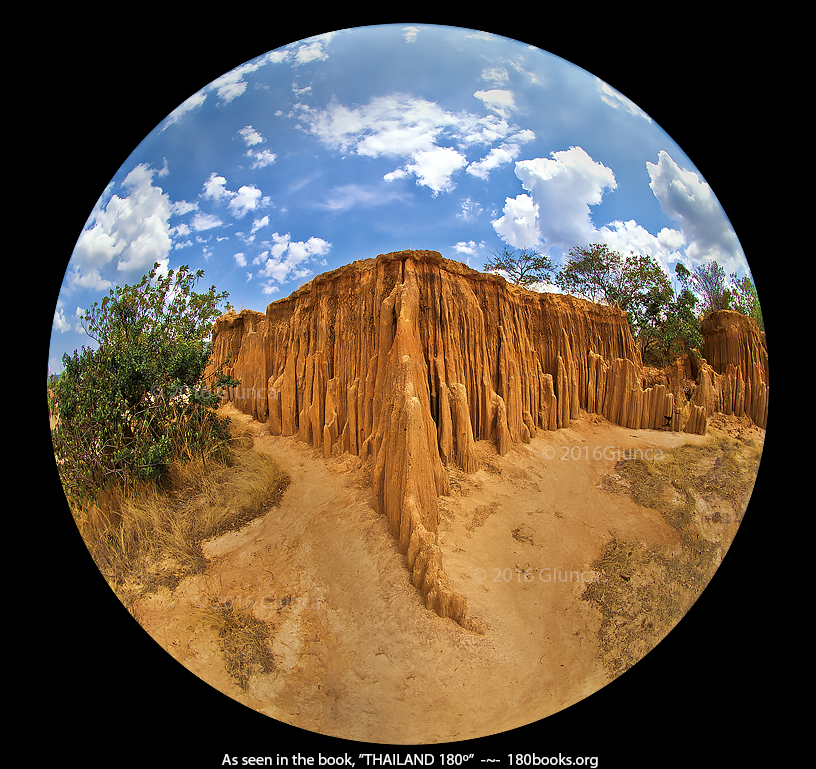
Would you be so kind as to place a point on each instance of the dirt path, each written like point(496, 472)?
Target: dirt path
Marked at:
point(356, 653)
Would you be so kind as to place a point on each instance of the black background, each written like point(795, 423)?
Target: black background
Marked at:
point(702, 696)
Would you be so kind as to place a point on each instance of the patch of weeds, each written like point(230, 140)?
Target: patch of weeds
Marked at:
point(722, 467)
point(243, 641)
point(459, 481)
point(642, 593)
point(480, 515)
point(523, 534)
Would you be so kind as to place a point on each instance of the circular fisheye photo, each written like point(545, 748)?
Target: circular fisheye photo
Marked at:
point(407, 386)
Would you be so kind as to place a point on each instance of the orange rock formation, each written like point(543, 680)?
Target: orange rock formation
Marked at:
point(409, 359)
point(736, 381)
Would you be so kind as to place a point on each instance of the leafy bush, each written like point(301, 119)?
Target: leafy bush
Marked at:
point(126, 409)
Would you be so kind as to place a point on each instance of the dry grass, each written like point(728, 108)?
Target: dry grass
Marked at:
point(243, 640)
point(481, 514)
point(643, 592)
point(153, 536)
point(722, 467)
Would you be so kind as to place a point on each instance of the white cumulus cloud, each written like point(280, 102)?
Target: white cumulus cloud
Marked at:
point(556, 211)
point(232, 84)
point(518, 226)
point(471, 251)
point(434, 168)
point(251, 136)
point(131, 232)
point(499, 100)
point(425, 136)
point(625, 237)
point(313, 49)
point(60, 323)
point(247, 198)
point(215, 188)
point(262, 159)
point(289, 260)
point(687, 199)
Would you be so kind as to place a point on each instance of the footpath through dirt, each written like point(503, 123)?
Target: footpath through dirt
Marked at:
point(356, 654)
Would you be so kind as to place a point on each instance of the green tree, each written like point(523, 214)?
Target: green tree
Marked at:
point(744, 299)
point(635, 283)
point(524, 267)
point(679, 329)
point(140, 400)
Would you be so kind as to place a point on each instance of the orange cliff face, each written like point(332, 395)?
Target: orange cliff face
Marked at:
point(737, 382)
point(408, 359)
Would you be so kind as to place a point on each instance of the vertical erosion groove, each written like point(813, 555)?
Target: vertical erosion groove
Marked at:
point(408, 359)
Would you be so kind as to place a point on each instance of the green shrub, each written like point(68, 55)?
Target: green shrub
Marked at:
point(126, 409)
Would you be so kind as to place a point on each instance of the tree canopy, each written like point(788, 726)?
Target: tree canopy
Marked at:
point(709, 282)
point(744, 299)
point(664, 321)
point(524, 267)
point(635, 283)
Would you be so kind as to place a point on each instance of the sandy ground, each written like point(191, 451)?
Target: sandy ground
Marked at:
point(356, 653)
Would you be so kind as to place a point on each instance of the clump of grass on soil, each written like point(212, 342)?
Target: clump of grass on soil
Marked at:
point(243, 640)
point(643, 592)
point(152, 536)
point(480, 515)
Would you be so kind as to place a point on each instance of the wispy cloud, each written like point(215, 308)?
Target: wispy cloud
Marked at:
point(502, 155)
point(348, 196)
point(231, 85)
point(497, 76)
point(202, 221)
point(617, 100)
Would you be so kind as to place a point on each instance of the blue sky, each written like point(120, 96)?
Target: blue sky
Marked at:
point(369, 140)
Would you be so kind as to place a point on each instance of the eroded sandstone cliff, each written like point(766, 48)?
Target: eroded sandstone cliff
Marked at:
point(409, 359)
point(737, 354)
